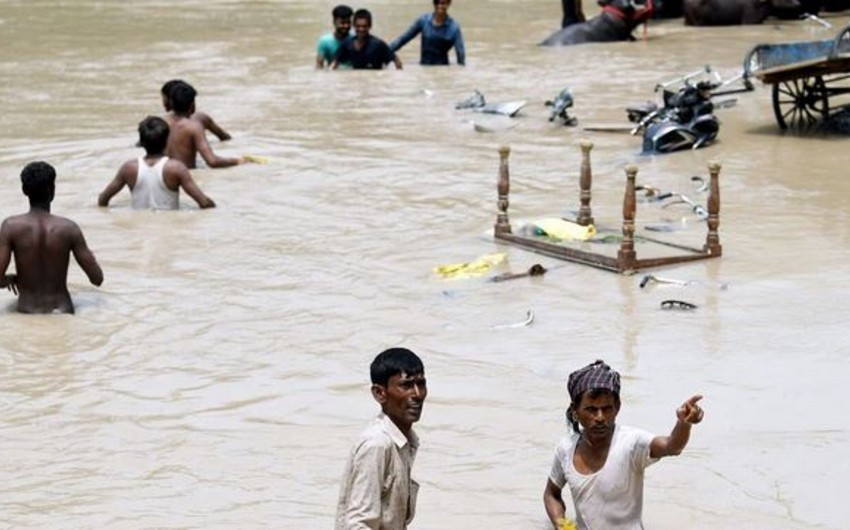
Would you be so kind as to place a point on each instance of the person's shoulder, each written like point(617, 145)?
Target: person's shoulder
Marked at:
point(377, 41)
point(186, 123)
point(374, 437)
point(64, 223)
point(633, 435)
point(567, 442)
point(14, 221)
point(172, 165)
point(201, 116)
point(129, 165)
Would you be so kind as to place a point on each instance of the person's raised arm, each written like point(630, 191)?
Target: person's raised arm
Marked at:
point(554, 504)
point(210, 125)
point(686, 415)
point(7, 281)
point(408, 35)
point(460, 48)
point(85, 257)
point(191, 187)
point(116, 184)
point(209, 156)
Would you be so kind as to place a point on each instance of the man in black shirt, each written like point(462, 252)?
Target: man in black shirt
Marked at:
point(363, 51)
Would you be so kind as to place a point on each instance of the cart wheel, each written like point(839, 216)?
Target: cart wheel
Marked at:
point(797, 103)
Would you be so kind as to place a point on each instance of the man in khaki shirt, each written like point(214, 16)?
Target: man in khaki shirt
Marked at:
point(377, 491)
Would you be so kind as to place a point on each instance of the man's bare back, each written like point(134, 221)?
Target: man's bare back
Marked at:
point(41, 244)
point(187, 138)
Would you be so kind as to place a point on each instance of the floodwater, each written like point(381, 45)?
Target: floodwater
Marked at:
point(219, 375)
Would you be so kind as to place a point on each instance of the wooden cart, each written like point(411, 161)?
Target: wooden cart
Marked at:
point(807, 77)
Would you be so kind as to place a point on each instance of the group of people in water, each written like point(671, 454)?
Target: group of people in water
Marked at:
point(41, 243)
point(364, 51)
point(602, 463)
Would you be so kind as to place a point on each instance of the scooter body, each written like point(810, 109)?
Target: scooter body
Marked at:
point(668, 135)
point(684, 120)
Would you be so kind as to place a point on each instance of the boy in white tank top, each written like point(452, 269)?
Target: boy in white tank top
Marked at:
point(154, 179)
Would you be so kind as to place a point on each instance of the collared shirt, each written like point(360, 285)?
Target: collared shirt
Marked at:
point(436, 40)
point(374, 55)
point(377, 491)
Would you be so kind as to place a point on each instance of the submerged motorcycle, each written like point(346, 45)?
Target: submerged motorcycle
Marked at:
point(685, 119)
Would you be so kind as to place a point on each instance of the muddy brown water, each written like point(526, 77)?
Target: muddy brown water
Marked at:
point(219, 375)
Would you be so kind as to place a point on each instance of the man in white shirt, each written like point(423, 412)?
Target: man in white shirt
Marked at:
point(377, 491)
point(602, 462)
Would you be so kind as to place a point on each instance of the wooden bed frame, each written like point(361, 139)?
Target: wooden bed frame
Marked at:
point(626, 260)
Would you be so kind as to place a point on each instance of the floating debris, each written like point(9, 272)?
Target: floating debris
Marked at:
point(535, 270)
point(649, 278)
point(528, 320)
point(680, 305)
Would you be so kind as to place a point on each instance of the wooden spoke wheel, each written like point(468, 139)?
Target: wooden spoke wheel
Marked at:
point(799, 103)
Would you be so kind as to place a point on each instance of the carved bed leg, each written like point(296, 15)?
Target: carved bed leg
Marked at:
point(712, 239)
point(626, 256)
point(503, 223)
point(584, 214)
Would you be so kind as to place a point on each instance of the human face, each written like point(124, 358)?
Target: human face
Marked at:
point(166, 102)
point(342, 26)
point(362, 27)
point(402, 399)
point(597, 415)
point(441, 7)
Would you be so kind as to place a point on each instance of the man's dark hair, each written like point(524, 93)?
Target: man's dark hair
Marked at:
point(342, 11)
point(182, 97)
point(394, 361)
point(153, 135)
point(166, 88)
point(38, 180)
point(363, 13)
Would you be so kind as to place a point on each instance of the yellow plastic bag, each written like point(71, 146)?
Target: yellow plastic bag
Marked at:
point(473, 268)
point(566, 524)
point(564, 230)
point(255, 159)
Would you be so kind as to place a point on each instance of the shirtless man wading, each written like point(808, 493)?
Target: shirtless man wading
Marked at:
point(42, 244)
point(187, 138)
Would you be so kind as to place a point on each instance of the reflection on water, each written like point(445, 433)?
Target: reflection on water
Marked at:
point(218, 376)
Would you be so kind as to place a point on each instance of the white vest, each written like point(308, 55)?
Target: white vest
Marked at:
point(150, 192)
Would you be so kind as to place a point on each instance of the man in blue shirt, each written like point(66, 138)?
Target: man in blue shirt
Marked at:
point(330, 42)
point(364, 51)
point(440, 33)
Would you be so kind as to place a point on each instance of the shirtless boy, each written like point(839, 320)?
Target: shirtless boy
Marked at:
point(205, 119)
point(42, 244)
point(187, 138)
point(154, 179)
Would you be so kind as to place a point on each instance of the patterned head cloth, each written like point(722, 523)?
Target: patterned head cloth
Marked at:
point(596, 375)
